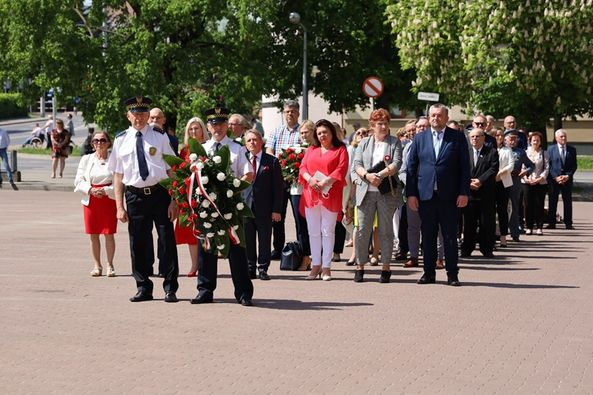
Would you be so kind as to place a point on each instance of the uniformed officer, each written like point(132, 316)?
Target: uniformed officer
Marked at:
point(138, 166)
point(208, 263)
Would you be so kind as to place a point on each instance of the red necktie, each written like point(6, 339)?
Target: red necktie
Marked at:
point(254, 164)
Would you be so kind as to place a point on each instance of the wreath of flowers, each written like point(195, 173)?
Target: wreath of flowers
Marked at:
point(209, 197)
point(290, 161)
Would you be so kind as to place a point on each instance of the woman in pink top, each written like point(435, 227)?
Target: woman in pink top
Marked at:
point(323, 174)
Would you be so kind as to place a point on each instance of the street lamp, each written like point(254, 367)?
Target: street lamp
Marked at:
point(295, 19)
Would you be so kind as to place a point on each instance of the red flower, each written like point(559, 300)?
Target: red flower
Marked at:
point(183, 165)
point(289, 150)
point(283, 163)
point(194, 203)
point(297, 165)
point(175, 183)
point(182, 190)
point(174, 168)
point(301, 155)
point(292, 157)
point(387, 158)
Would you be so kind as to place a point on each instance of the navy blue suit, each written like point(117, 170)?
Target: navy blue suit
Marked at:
point(265, 196)
point(450, 172)
point(559, 168)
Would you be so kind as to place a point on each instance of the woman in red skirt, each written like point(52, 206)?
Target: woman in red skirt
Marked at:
point(194, 129)
point(93, 180)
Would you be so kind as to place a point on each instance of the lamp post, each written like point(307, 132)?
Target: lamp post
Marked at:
point(295, 18)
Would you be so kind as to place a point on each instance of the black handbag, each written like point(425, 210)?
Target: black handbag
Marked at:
point(388, 184)
point(292, 256)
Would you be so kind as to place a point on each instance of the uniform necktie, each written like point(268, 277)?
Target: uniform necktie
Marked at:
point(141, 156)
point(254, 164)
point(217, 147)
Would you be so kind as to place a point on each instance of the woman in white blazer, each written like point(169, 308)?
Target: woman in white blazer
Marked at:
point(93, 180)
point(503, 182)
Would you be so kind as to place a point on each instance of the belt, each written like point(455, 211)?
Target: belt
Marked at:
point(144, 190)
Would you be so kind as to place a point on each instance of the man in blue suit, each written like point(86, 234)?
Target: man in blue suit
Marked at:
point(563, 164)
point(438, 180)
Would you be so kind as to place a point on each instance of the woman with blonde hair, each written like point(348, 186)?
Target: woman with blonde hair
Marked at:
point(195, 129)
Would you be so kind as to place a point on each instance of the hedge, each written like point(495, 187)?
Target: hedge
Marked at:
point(12, 105)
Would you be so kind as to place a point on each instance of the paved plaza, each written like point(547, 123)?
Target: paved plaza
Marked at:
point(522, 323)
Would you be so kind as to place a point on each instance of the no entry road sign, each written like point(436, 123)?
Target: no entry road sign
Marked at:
point(372, 87)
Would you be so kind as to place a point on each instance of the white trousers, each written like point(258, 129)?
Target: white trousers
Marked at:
point(322, 228)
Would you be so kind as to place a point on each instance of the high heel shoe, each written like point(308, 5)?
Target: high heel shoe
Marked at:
point(359, 276)
point(351, 262)
point(110, 271)
point(326, 275)
point(385, 276)
point(305, 264)
point(97, 272)
point(315, 272)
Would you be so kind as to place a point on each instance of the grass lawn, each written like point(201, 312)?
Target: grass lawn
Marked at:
point(45, 151)
point(585, 162)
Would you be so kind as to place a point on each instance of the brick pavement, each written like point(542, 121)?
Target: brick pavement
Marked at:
point(520, 324)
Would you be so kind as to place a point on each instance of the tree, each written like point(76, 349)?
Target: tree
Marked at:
point(528, 58)
point(186, 53)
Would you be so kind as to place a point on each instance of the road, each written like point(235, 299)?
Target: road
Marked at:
point(20, 130)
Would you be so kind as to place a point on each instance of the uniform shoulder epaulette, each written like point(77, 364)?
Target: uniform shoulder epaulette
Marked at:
point(120, 134)
point(158, 130)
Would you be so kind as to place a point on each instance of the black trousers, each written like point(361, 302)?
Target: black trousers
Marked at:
point(402, 232)
point(566, 191)
point(258, 241)
point(535, 196)
point(501, 195)
point(479, 214)
point(208, 272)
point(143, 211)
point(302, 231)
point(444, 215)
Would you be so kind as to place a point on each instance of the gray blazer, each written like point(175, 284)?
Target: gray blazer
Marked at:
point(364, 157)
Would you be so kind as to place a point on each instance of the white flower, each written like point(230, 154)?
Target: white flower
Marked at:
point(198, 192)
point(213, 196)
point(207, 225)
point(217, 159)
point(205, 204)
point(236, 183)
point(221, 176)
point(203, 214)
point(229, 193)
point(240, 206)
point(235, 227)
point(214, 215)
point(209, 235)
point(228, 216)
point(205, 180)
point(221, 232)
point(193, 157)
point(298, 150)
point(220, 247)
point(199, 165)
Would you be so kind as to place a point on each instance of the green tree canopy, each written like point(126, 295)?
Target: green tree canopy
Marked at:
point(529, 58)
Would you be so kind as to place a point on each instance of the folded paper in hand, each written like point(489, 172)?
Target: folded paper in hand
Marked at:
point(319, 176)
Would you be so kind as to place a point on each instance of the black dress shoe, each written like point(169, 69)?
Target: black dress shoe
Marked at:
point(385, 276)
point(275, 255)
point(246, 302)
point(570, 227)
point(264, 276)
point(13, 185)
point(516, 239)
point(488, 254)
point(252, 275)
point(401, 256)
point(453, 281)
point(141, 297)
point(465, 254)
point(201, 299)
point(550, 226)
point(170, 297)
point(359, 276)
point(427, 279)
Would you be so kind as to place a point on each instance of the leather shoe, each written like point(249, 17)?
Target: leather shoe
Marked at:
point(141, 297)
point(246, 302)
point(359, 276)
point(401, 256)
point(170, 297)
point(385, 276)
point(427, 279)
point(252, 275)
point(412, 262)
point(201, 299)
point(264, 276)
point(488, 254)
point(550, 226)
point(570, 227)
point(453, 281)
point(465, 254)
point(275, 255)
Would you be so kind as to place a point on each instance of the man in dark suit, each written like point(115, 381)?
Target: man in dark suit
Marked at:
point(438, 186)
point(264, 196)
point(480, 211)
point(563, 164)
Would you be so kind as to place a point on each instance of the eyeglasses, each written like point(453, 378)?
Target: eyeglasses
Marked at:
point(361, 133)
point(480, 123)
point(97, 141)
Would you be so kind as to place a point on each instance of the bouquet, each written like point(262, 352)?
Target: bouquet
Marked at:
point(209, 197)
point(290, 162)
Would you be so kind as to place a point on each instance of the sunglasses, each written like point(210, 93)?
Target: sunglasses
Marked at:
point(361, 133)
point(97, 141)
point(480, 123)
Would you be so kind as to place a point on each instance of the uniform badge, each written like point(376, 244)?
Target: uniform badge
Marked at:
point(152, 151)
